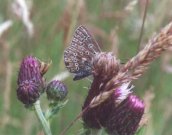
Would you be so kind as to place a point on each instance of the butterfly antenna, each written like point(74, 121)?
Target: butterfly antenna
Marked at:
point(143, 23)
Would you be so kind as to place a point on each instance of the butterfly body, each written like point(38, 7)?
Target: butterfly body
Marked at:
point(81, 75)
point(79, 55)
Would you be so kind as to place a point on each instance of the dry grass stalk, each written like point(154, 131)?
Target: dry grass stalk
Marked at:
point(166, 61)
point(135, 67)
point(100, 98)
point(5, 27)
point(22, 10)
point(152, 50)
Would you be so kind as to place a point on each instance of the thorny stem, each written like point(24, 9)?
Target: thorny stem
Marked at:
point(44, 122)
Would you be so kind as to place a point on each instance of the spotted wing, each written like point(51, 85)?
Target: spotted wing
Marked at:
point(78, 56)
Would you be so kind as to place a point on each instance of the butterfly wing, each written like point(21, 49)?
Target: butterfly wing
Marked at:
point(78, 56)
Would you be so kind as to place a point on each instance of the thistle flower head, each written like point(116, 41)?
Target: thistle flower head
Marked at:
point(30, 81)
point(124, 119)
point(97, 117)
point(56, 91)
point(105, 65)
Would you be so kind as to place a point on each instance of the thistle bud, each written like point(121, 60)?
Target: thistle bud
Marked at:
point(124, 119)
point(56, 91)
point(30, 82)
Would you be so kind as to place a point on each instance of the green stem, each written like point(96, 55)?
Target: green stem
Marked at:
point(44, 122)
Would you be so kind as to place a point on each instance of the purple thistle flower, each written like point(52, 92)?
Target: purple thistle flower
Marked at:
point(125, 119)
point(56, 91)
point(121, 112)
point(97, 117)
point(30, 81)
point(105, 66)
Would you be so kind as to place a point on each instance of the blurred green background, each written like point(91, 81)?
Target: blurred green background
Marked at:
point(116, 25)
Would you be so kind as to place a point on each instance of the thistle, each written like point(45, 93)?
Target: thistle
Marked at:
point(31, 85)
point(30, 82)
point(103, 64)
point(102, 106)
point(56, 91)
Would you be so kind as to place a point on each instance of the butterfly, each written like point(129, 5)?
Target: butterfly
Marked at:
point(79, 55)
